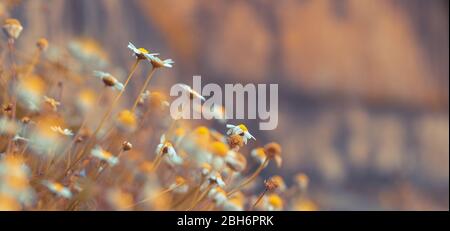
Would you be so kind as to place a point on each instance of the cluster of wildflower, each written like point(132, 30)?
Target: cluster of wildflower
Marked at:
point(71, 143)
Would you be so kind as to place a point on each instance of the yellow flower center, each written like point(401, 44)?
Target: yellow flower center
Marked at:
point(143, 50)
point(58, 187)
point(106, 154)
point(202, 130)
point(243, 127)
point(219, 148)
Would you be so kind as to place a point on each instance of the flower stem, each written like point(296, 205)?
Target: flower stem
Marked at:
point(249, 179)
point(105, 116)
point(200, 198)
point(146, 83)
point(259, 199)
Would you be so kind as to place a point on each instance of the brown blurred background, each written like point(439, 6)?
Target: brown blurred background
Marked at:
point(363, 83)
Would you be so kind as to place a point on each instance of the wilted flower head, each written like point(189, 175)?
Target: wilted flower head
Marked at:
point(273, 151)
point(158, 63)
point(275, 182)
point(241, 130)
point(109, 80)
point(235, 142)
point(12, 28)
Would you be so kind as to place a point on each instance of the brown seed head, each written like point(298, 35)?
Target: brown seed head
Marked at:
point(271, 184)
point(272, 150)
point(235, 142)
point(126, 146)
point(109, 81)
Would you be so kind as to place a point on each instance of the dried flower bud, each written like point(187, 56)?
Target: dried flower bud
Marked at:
point(271, 184)
point(272, 150)
point(126, 146)
point(235, 142)
point(12, 28)
point(109, 81)
point(42, 44)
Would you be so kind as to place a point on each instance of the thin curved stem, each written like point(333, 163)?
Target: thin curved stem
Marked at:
point(105, 116)
point(249, 179)
point(259, 199)
point(146, 83)
point(200, 198)
point(154, 197)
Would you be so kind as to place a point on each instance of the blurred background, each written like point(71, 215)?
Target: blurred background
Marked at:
point(363, 85)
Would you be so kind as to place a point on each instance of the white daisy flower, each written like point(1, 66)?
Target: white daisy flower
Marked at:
point(58, 189)
point(64, 132)
point(240, 129)
point(101, 154)
point(157, 62)
point(109, 80)
point(140, 53)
